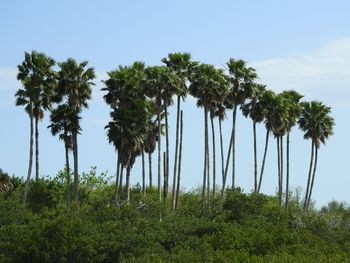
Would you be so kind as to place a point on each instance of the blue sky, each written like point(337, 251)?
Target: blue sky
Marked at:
point(302, 45)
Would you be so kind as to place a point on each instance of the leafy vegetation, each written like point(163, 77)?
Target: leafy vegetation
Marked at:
point(245, 228)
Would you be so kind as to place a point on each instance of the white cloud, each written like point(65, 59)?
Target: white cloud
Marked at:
point(323, 74)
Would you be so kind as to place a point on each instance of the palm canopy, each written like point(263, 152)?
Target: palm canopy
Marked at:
point(209, 85)
point(316, 122)
point(255, 108)
point(241, 76)
point(294, 108)
point(38, 79)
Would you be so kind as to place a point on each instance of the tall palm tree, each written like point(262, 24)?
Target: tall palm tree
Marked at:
point(179, 64)
point(74, 88)
point(317, 125)
point(254, 109)
point(240, 74)
point(37, 77)
point(294, 111)
point(207, 85)
point(62, 122)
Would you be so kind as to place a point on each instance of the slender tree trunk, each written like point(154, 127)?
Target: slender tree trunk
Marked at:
point(128, 168)
point(117, 176)
point(264, 159)
point(205, 156)
point(281, 171)
point(226, 168)
point(36, 149)
point(150, 170)
point(76, 175)
point(165, 192)
point(120, 185)
point(214, 157)
point(279, 168)
point(313, 178)
point(287, 176)
point(309, 176)
point(68, 175)
point(166, 172)
point(143, 172)
point(234, 146)
point(255, 160)
point(26, 187)
point(176, 153)
point(222, 152)
point(208, 155)
point(179, 168)
point(159, 154)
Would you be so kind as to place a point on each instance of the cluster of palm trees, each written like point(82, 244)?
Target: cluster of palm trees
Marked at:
point(139, 97)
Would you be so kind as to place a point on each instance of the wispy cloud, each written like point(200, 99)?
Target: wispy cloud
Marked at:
point(322, 74)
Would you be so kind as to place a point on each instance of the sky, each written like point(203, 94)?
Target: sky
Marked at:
point(301, 45)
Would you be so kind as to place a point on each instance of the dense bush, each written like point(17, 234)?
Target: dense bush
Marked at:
point(246, 228)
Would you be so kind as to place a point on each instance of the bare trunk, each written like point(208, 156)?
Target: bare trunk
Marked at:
point(208, 160)
point(176, 153)
point(264, 159)
point(278, 168)
point(128, 168)
point(205, 157)
point(76, 175)
point(281, 171)
point(68, 175)
point(214, 157)
point(36, 149)
point(309, 176)
point(222, 152)
point(150, 170)
point(255, 160)
point(166, 172)
point(165, 195)
point(117, 177)
point(313, 178)
point(143, 172)
point(234, 146)
point(26, 187)
point(287, 176)
point(120, 184)
point(226, 168)
point(159, 154)
point(179, 168)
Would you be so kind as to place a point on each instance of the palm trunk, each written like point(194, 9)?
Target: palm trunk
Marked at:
point(120, 185)
point(117, 177)
point(214, 157)
point(176, 153)
point(205, 156)
point(159, 154)
point(36, 149)
point(234, 146)
point(164, 182)
point(281, 171)
point(76, 175)
point(279, 168)
point(179, 168)
point(309, 176)
point(128, 168)
point(255, 160)
point(264, 159)
point(26, 187)
point(143, 172)
point(287, 176)
point(208, 159)
point(68, 175)
point(222, 152)
point(150, 170)
point(226, 168)
point(166, 172)
point(313, 178)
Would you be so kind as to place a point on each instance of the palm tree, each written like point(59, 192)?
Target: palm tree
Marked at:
point(62, 122)
point(254, 109)
point(37, 77)
point(294, 111)
point(317, 125)
point(180, 64)
point(74, 88)
point(240, 75)
point(207, 85)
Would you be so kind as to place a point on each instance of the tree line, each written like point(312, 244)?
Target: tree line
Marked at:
point(139, 97)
